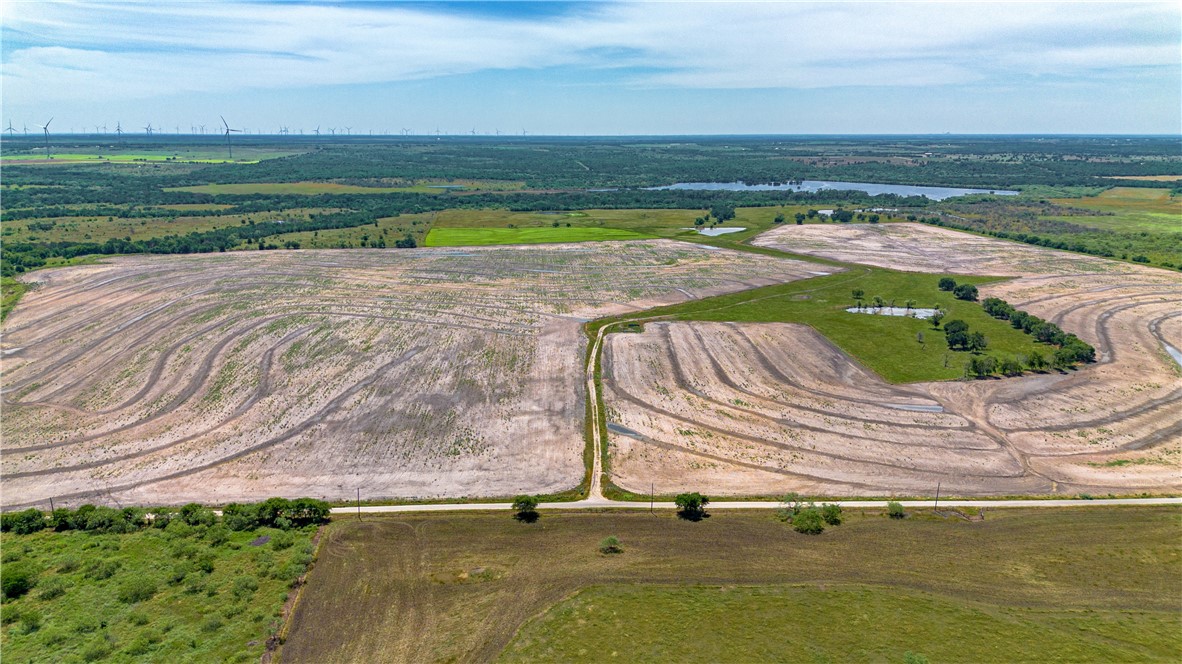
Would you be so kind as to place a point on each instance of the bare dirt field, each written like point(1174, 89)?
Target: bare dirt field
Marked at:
point(771, 408)
point(405, 373)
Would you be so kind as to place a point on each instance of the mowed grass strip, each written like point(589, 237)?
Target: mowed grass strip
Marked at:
point(462, 237)
point(829, 624)
point(458, 586)
point(898, 348)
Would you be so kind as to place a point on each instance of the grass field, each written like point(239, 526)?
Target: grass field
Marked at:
point(778, 623)
point(821, 303)
point(459, 237)
point(11, 292)
point(1131, 208)
point(459, 586)
point(79, 611)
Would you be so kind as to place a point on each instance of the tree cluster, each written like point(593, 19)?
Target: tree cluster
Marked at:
point(273, 513)
point(1071, 349)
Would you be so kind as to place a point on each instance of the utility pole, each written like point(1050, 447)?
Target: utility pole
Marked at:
point(652, 495)
point(358, 503)
point(937, 506)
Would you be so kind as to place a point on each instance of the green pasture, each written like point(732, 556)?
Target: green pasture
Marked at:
point(900, 349)
point(1130, 209)
point(196, 596)
point(460, 237)
point(830, 623)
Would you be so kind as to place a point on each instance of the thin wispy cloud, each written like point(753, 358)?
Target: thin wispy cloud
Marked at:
point(66, 52)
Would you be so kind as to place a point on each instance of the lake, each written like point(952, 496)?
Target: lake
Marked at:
point(934, 193)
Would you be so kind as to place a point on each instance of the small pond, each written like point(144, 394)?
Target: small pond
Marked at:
point(893, 311)
point(715, 232)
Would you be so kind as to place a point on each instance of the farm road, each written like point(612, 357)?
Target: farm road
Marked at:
point(757, 504)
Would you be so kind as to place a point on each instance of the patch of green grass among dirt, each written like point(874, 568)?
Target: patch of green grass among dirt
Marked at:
point(461, 237)
point(146, 596)
point(829, 624)
point(898, 348)
point(11, 292)
point(458, 586)
point(1132, 209)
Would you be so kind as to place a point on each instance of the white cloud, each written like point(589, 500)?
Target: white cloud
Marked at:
point(96, 51)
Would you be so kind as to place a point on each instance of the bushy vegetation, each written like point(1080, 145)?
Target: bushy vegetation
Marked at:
point(691, 506)
point(173, 585)
point(278, 513)
point(807, 517)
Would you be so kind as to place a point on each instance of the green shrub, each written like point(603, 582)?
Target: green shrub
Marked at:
point(96, 652)
point(211, 625)
point(217, 535)
point(245, 585)
point(30, 620)
point(895, 510)
point(69, 564)
point(610, 544)
point(831, 513)
point(177, 574)
point(137, 618)
point(137, 589)
point(16, 579)
point(23, 523)
point(691, 506)
point(52, 588)
point(808, 521)
point(525, 508)
point(101, 569)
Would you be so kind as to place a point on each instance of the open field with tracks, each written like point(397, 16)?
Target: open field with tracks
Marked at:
point(1095, 584)
point(757, 409)
point(403, 373)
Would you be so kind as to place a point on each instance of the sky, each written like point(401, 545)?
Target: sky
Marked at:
point(592, 68)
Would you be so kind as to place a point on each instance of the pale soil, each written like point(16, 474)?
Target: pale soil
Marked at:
point(772, 408)
point(405, 373)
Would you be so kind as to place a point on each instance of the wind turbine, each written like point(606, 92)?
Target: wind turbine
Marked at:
point(473, 131)
point(332, 131)
point(316, 130)
point(348, 130)
point(96, 129)
point(45, 128)
point(148, 129)
point(228, 130)
point(11, 130)
point(202, 129)
point(26, 128)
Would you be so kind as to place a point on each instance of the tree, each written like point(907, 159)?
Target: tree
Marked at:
point(808, 521)
point(977, 342)
point(691, 506)
point(1011, 367)
point(965, 292)
point(947, 283)
point(800, 217)
point(526, 508)
point(956, 332)
point(895, 510)
point(858, 294)
point(874, 218)
point(980, 367)
point(610, 544)
point(722, 212)
point(1036, 361)
point(879, 302)
point(842, 216)
point(779, 218)
point(909, 304)
point(936, 317)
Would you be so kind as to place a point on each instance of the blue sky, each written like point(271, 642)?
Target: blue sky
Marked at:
point(597, 68)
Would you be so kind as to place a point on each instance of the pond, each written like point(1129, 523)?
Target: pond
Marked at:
point(934, 193)
point(893, 311)
point(715, 232)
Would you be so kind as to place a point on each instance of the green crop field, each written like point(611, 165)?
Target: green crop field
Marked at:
point(180, 594)
point(830, 623)
point(889, 345)
point(459, 237)
point(1129, 209)
point(1091, 583)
